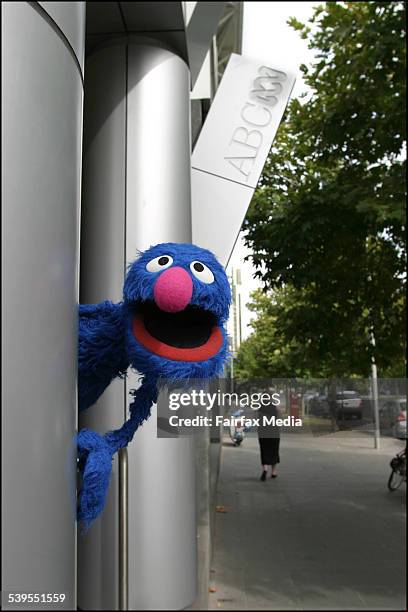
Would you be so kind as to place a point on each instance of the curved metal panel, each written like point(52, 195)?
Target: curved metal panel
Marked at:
point(41, 169)
point(162, 519)
point(70, 18)
point(102, 273)
point(136, 192)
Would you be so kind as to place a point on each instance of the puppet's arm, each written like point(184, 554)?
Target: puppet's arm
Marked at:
point(101, 349)
point(95, 453)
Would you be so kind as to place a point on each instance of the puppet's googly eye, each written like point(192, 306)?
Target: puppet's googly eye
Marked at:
point(159, 263)
point(202, 272)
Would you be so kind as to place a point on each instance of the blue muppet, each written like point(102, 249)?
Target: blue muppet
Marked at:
point(170, 325)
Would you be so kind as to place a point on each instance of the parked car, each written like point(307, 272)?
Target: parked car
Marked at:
point(400, 430)
point(349, 403)
point(388, 413)
point(400, 427)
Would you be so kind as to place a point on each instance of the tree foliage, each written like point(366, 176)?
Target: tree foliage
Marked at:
point(326, 224)
point(267, 353)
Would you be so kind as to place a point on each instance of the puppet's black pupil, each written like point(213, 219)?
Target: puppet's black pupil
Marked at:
point(163, 261)
point(198, 267)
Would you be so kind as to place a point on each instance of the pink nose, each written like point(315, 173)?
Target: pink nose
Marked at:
point(173, 289)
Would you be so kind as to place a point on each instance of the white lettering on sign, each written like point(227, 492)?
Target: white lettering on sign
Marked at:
point(245, 143)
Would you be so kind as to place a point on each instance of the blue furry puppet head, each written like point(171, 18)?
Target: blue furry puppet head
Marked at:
point(177, 298)
point(169, 326)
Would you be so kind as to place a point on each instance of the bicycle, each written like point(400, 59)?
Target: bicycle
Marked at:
point(398, 470)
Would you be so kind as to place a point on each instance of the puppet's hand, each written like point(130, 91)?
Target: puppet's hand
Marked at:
point(95, 463)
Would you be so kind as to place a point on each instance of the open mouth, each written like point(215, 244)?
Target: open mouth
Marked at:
point(189, 335)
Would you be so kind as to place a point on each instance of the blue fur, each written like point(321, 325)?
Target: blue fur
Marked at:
point(101, 349)
point(107, 347)
point(215, 296)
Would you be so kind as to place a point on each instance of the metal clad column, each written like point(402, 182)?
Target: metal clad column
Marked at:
point(162, 527)
point(41, 169)
point(136, 192)
point(102, 274)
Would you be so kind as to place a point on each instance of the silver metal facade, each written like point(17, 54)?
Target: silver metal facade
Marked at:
point(102, 273)
point(136, 192)
point(41, 170)
point(162, 536)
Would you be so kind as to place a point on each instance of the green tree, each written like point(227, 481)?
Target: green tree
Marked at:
point(280, 347)
point(327, 220)
point(266, 353)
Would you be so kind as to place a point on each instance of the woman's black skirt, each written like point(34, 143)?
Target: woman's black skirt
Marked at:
point(269, 450)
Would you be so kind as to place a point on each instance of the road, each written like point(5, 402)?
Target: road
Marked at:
point(326, 534)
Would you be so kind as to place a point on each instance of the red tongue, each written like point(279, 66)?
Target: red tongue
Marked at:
point(198, 353)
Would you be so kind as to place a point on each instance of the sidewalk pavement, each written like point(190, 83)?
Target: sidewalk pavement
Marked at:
point(325, 535)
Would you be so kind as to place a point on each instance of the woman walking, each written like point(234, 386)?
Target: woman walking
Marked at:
point(269, 440)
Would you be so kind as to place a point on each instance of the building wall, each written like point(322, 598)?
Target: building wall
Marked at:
point(42, 86)
point(43, 76)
